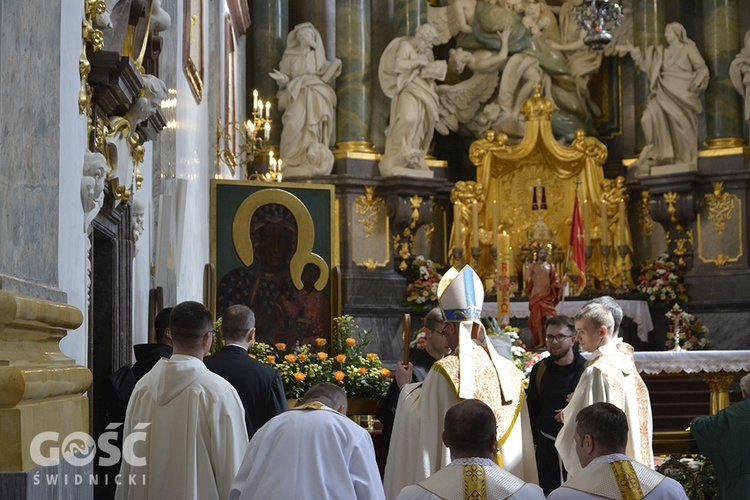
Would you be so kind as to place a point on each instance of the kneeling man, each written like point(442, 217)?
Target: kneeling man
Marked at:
point(601, 435)
point(470, 431)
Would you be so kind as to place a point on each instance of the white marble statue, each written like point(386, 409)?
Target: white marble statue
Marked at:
point(739, 72)
point(407, 74)
point(308, 103)
point(138, 222)
point(460, 102)
point(95, 170)
point(148, 101)
point(160, 18)
point(677, 76)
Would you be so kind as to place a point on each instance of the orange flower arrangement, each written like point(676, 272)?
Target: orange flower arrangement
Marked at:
point(302, 366)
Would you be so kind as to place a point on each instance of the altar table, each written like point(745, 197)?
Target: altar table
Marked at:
point(718, 367)
point(637, 310)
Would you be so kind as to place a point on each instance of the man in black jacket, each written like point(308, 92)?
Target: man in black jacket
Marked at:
point(259, 386)
point(550, 383)
point(147, 355)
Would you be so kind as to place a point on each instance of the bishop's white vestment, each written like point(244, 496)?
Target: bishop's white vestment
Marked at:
point(193, 425)
point(417, 450)
point(310, 452)
point(617, 476)
point(470, 478)
point(610, 376)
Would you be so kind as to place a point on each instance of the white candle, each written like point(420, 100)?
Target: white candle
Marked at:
point(250, 125)
point(255, 98)
point(268, 109)
point(586, 223)
point(623, 222)
point(267, 131)
point(474, 226)
point(494, 222)
point(605, 224)
point(457, 225)
point(503, 243)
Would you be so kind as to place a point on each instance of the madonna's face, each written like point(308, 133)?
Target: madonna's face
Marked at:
point(274, 247)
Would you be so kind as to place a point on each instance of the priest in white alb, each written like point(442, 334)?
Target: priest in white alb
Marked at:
point(474, 371)
point(610, 376)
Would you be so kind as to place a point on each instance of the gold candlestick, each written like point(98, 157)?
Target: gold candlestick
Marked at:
point(589, 288)
point(605, 258)
point(623, 251)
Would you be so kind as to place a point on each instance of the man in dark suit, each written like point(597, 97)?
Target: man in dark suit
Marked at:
point(259, 386)
point(147, 355)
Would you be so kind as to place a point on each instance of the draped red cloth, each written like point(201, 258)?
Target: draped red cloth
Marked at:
point(542, 306)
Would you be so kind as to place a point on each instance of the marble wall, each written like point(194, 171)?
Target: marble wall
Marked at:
point(30, 141)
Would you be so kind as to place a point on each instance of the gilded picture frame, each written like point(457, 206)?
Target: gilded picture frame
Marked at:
point(192, 46)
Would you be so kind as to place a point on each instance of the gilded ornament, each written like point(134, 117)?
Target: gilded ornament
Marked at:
point(671, 199)
point(371, 265)
point(92, 36)
point(719, 206)
point(644, 216)
point(403, 243)
point(369, 207)
point(95, 7)
point(537, 107)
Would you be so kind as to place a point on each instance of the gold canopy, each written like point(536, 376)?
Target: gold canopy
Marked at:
point(509, 175)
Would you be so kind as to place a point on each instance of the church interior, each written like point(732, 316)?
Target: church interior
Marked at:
point(352, 151)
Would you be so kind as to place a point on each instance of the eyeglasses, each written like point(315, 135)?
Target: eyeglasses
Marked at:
point(441, 332)
point(558, 338)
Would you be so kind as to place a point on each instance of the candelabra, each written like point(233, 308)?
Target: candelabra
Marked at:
point(476, 252)
point(458, 257)
point(589, 288)
point(605, 258)
point(242, 141)
point(598, 18)
point(622, 250)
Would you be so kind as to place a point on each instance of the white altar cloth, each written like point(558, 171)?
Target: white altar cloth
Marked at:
point(653, 363)
point(637, 310)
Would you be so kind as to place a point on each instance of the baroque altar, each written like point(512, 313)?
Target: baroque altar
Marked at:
point(535, 184)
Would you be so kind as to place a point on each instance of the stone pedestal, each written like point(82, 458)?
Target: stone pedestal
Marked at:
point(391, 210)
point(41, 390)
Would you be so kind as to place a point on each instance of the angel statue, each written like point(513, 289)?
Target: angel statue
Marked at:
point(459, 103)
point(308, 103)
point(407, 75)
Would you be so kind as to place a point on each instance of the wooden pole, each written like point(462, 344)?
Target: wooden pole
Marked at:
point(406, 334)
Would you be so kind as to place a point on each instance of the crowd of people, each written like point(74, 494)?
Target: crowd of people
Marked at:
point(459, 421)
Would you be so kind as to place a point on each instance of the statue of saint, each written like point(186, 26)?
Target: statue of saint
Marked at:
point(407, 75)
point(308, 103)
point(544, 290)
point(739, 72)
point(677, 75)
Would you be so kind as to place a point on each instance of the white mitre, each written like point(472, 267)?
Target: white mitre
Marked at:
point(461, 295)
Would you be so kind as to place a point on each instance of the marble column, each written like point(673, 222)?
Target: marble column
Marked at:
point(269, 30)
point(407, 15)
point(354, 85)
point(649, 21)
point(721, 33)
